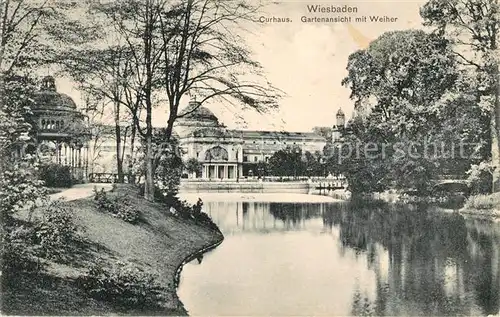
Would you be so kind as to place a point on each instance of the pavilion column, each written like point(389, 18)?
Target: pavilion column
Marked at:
point(86, 162)
point(65, 153)
point(79, 154)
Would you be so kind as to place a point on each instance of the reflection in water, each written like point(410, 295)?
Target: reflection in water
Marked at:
point(353, 258)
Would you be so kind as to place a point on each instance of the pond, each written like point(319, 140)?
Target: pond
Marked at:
point(344, 258)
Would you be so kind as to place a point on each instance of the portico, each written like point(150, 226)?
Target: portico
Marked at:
point(220, 171)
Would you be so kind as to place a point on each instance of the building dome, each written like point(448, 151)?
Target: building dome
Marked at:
point(201, 113)
point(340, 113)
point(209, 133)
point(49, 99)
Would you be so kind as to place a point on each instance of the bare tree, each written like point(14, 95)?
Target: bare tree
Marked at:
point(177, 48)
point(204, 54)
point(106, 73)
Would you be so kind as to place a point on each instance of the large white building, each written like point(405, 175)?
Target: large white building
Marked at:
point(224, 153)
point(228, 153)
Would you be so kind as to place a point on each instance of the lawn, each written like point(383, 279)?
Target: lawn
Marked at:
point(158, 244)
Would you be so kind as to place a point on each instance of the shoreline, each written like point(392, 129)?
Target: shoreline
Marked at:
point(186, 260)
point(191, 197)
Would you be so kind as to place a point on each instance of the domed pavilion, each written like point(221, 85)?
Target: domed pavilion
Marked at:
point(61, 131)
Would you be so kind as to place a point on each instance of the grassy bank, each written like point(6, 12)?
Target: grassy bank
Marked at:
point(483, 205)
point(157, 245)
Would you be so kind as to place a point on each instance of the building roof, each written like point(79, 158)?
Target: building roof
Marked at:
point(340, 113)
point(278, 135)
point(49, 99)
point(195, 111)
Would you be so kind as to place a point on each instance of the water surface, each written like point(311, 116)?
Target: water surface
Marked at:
point(356, 258)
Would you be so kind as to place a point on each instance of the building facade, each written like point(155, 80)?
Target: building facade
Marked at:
point(229, 153)
point(223, 153)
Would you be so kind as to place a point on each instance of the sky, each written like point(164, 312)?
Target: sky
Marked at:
point(306, 60)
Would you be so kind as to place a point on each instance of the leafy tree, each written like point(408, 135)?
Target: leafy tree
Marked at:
point(472, 26)
point(193, 166)
point(287, 162)
point(325, 132)
point(313, 164)
point(261, 168)
point(413, 96)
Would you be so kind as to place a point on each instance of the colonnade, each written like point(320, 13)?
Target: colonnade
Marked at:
point(221, 171)
point(73, 155)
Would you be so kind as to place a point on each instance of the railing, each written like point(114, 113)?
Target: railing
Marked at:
point(110, 178)
point(255, 179)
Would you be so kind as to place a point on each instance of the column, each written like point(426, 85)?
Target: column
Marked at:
point(65, 151)
point(225, 172)
point(79, 157)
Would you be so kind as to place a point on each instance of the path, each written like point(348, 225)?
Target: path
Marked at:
point(79, 191)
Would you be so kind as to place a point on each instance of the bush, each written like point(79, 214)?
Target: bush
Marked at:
point(18, 251)
point(119, 207)
point(181, 208)
point(19, 189)
point(483, 202)
point(480, 178)
point(123, 283)
point(55, 231)
point(55, 175)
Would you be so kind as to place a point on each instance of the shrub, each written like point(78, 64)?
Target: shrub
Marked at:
point(18, 251)
point(19, 189)
point(123, 283)
point(182, 208)
point(480, 178)
point(55, 175)
point(483, 202)
point(119, 207)
point(55, 231)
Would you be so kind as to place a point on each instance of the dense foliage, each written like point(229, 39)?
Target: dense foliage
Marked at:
point(193, 166)
point(55, 175)
point(473, 28)
point(418, 115)
point(119, 207)
point(292, 161)
point(123, 283)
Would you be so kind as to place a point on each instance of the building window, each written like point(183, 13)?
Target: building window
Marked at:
point(274, 142)
point(253, 142)
point(255, 159)
point(245, 158)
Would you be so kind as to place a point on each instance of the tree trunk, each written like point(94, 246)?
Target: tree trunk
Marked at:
point(170, 123)
point(119, 158)
point(496, 134)
point(131, 176)
point(149, 185)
